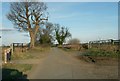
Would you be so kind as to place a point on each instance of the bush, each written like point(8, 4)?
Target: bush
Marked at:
point(99, 52)
point(74, 41)
point(12, 74)
point(85, 46)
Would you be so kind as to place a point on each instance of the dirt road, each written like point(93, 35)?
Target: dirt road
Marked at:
point(59, 65)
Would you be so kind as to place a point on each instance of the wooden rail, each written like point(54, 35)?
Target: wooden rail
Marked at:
point(21, 45)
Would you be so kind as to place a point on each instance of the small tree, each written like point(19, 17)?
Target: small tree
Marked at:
point(28, 16)
point(74, 41)
point(61, 33)
point(45, 34)
point(75, 44)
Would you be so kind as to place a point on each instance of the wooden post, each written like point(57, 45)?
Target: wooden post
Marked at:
point(22, 47)
point(12, 48)
point(89, 44)
point(5, 56)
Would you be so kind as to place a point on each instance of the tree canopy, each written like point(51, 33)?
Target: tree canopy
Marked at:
point(28, 16)
point(61, 33)
point(45, 34)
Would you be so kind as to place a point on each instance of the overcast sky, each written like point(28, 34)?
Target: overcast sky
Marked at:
point(86, 21)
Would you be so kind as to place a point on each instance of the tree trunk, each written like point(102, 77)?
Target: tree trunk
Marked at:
point(32, 40)
point(33, 36)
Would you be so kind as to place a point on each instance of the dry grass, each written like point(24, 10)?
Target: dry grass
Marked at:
point(37, 52)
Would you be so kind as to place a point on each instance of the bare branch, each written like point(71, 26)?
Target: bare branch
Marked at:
point(27, 15)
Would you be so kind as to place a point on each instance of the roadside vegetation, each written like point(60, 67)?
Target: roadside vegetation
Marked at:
point(20, 67)
point(104, 54)
point(15, 71)
point(105, 50)
point(100, 52)
point(35, 53)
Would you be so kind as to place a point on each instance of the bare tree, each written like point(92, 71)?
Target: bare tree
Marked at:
point(61, 33)
point(74, 41)
point(28, 16)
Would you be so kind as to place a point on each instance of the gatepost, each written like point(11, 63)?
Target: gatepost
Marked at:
point(12, 48)
point(5, 56)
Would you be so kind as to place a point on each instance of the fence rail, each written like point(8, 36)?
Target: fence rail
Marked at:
point(16, 45)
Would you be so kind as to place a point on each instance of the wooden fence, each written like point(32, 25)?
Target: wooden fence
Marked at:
point(19, 47)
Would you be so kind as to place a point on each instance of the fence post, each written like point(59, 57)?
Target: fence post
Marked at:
point(5, 56)
point(22, 47)
point(12, 48)
point(89, 45)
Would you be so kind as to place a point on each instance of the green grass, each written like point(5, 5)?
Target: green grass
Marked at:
point(100, 52)
point(11, 70)
point(21, 56)
point(39, 50)
point(20, 67)
point(15, 71)
point(65, 49)
point(69, 50)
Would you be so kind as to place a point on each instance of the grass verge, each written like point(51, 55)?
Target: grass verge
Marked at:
point(15, 71)
point(100, 52)
point(20, 67)
point(34, 53)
